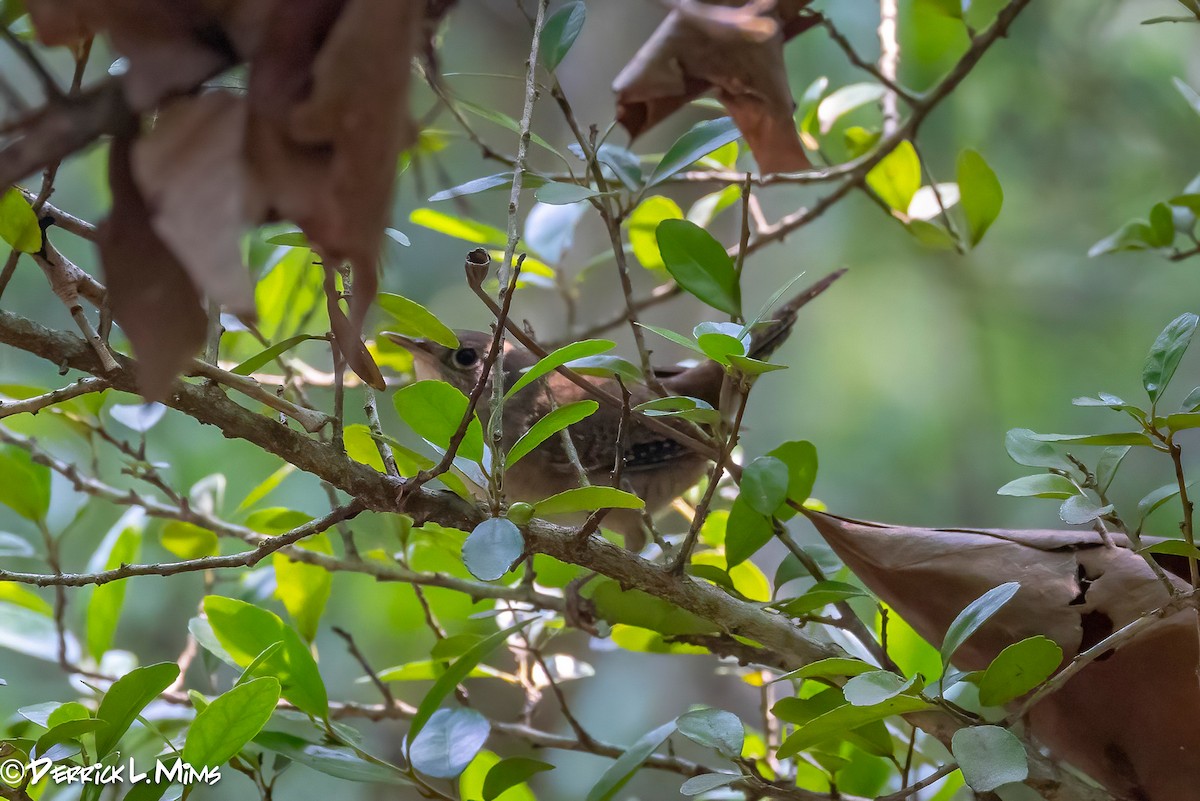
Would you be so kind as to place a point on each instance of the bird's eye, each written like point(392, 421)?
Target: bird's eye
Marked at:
point(465, 357)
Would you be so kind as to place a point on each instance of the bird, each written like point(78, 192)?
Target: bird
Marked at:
point(655, 467)
point(1131, 718)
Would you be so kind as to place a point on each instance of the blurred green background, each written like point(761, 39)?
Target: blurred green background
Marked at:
point(906, 375)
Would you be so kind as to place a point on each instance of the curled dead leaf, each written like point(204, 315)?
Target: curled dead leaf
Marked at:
point(692, 52)
point(1130, 719)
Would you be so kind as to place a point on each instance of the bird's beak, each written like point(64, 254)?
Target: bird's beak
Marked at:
point(413, 345)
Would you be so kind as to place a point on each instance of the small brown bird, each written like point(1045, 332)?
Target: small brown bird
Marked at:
point(656, 468)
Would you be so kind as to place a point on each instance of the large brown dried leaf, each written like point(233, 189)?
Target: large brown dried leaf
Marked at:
point(328, 119)
point(192, 177)
point(687, 56)
point(1131, 719)
point(150, 294)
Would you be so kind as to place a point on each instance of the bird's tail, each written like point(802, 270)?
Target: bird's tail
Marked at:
point(770, 334)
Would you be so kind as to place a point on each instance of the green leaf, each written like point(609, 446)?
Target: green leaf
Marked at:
point(1162, 224)
point(714, 728)
point(548, 426)
point(448, 742)
point(703, 138)
point(975, 615)
point(474, 186)
point(507, 122)
point(268, 355)
point(980, 194)
point(681, 406)
point(1120, 438)
point(707, 781)
point(1043, 485)
point(699, 264)
point(471, 231)
point(492, 549)
point(833, 667)
point(1133, 235)
point(304, 588)
point(454, 674)
point(587, 499)
point(639, 608)
point(746, 532)
point(12, 545)
point(643, 225)
point(559, 32)
point(1173, 548)
point(897, 177)
point(434, 410)
point(245, 631)
point(945, 8)
point(414, 320)
point(1189, 94)
point(69, 731)
point(509, 773)
point(24, 484)
point(340, 761)
point(845, 99)
point(30, 632)
point(765, 483)
point(557, 193)
point(989, 757)
point(621, 163)
point(1018, 669)
point(1181, 421)
point(1108, 464)
point(820, 595)
point(265, 488)
point(289, 239)
point(1024, 449)
point(557, 358)
point(845, 718)
point(801, 460)
point(1079, 510)
point(930, 234)
point(875, 687)
point(606, 366)
point(18, 223)
point(671, 336)
point(229, 722)
point(1156, 498)
point(119, 547)
point(126, 698)
point(621, 771)
point(1166, 353)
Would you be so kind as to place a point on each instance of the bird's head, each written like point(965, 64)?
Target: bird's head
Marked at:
point(459, 367)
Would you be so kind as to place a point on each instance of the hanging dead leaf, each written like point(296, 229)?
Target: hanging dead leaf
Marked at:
point(149, 292)
point(1131, 719)
point(191, 175)
point(692, 52)
point(328, 119)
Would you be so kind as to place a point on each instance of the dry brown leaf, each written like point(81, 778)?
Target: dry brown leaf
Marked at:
point(328, 119)
point(192, 177)
point(1131, 719)
point(149, 292)
point(59, 22)
point(687, 56)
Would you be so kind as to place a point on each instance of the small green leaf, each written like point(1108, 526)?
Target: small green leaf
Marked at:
point(559, 32)
point(1080, 510)
point(1108, 464)
point(672, 336)
point(975, 615)
point(833, 667)
point(509, 773)
point(1025, 450)
point(703, 138)
point(1166, 353)
point(557, 193)
point(18, 223)
point(434, 410)
point(699, 264)
point(126, 698)
point(414, 320)
point(340, 761)
point(981, 195)
point(714, 728)
point(1043, 485)
point(801, 460)
point(471, 231)
point(492, 549)
point(897, 177)
point(621, 771)
point(587, 499)
point(548, 426)
point(1156, 498)
point(606, 366)
point(681, 406)
point(1162, 224)
point(268, 355)
point(845, 99)
point(746, 532)
point(845, 718)
point(618, 162)
point(304, 588)
point(875, 687)
point(24, 484)
point(1120, 438)
point(989, 757)
point(1173, 548)
point(448, 742)
point(1018, 669)
point(765, 483)
point(820, 595)
point(229, 722)
point(1133, 235)
point(474, 186)
point(120, 546)
point(707, 781)
point(557, 358)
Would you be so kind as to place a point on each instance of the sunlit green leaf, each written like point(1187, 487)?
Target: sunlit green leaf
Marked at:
point(548, 426)
point(126, 699)
point(1166, 353)
point(643, 224)
point(411, 319)
point(981, 194)
point(24, 484)
point(587, 499)
point(1018, 669)
point(304, 588)
point(229, 722)
point(897, 177)
point(434, 410)
point(699, 264)
point(842, 101)
point(471, 231)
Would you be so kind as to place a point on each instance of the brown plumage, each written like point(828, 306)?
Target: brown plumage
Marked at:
point(1131, 718)
point(656, 468)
